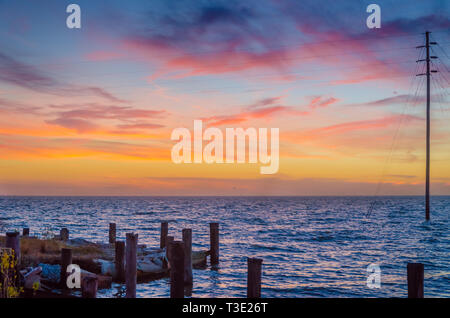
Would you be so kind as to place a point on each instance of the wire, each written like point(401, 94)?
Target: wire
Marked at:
point(395, 137)
point(302, 44)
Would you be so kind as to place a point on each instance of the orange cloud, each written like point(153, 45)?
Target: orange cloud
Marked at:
point(263, 113)
point(81, 117)
point(26, 147)
point(361, 125)
point(266, 109)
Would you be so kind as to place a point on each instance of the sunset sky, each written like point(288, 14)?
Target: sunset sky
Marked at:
point(90, 111)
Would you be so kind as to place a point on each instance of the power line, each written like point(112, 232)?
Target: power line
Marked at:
point(396, 134)
point(251, 60)
point(302, 44)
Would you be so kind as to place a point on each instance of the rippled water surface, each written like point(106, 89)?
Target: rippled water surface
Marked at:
point(310, 246)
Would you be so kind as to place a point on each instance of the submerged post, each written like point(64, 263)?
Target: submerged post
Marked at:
point(415, 280)
point(64, 234)
point(66, 260)
point(177, 269)
point(119, 261)
point(13, 242)
point(26, 231)
point(89, 287)
point(131, 265)
point(214, 243)
point(112, 233)
point(164, 233)
point(187, 240)
point(254, 278)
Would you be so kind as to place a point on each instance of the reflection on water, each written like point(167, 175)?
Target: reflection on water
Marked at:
point(311, 246)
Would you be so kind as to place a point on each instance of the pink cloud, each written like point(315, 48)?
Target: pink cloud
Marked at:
point(140, 126)
point(80, 125)
point(263, 113)
point(81, 118)
point(362, 125)
point(267, 109)
point(320, 101)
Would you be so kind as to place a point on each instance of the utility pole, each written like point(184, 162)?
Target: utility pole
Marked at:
point(428, 74)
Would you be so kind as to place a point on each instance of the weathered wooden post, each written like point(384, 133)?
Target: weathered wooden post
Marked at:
point(177, 269)
point(26, 231)
point(131, 265)
point(112, 233)
point(187, 240)
point(64, 234)
point(168, 241)
point(415, 280)
point(89, 287)
point(214, 243)
point(254, 278)
point(13, 242)
point(119, 262)
point(66, 260)
point(164, 233)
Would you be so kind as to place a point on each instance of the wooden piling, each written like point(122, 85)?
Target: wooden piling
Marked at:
point(254, 278)
point(187, 240)
point(214, 243)
point(64, 234)
point(415, 280)
point(89, 287)
point(177, 269)
point(112, 233)
point(131, 265)
point(13, 242)
point(26, 231)
point(164, 233)
point(66, 260)
point(119, 262)
point(168, 241)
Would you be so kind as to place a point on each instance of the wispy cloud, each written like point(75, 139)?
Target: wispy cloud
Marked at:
point(269, 108)
point(83, 117)
point(10, 106)
point(232, 37)
point(402, 99)
point(140, 126)
point(29, 77)
point(361, 125)
point(263, 113)
point(48, 147)
point(321, 101)
point(266, 102)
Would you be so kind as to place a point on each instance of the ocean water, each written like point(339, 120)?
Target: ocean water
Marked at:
point(310, 246)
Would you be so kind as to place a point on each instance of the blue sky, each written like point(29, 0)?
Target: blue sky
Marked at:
point(110, 93)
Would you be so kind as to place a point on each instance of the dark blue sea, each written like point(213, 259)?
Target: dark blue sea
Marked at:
point(310, 246)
